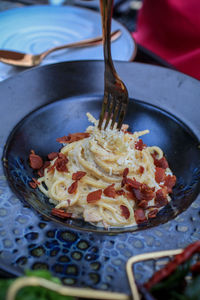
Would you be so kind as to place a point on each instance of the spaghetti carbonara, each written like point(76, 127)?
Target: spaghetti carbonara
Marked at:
point(107, 177)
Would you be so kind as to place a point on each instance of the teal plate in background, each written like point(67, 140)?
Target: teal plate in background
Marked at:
point(34, 29)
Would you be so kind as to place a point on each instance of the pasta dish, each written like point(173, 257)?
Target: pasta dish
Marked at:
point(107, 177)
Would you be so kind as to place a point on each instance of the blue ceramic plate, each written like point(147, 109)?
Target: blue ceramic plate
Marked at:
point(35, 29)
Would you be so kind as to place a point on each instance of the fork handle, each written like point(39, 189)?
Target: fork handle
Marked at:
point(106, 17)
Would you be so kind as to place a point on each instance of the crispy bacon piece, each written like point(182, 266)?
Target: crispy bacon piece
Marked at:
point(60, 163)
point(73, 137)
point(110, 191)
point(34, 183)
point(125, 211)
point(139, 145)
point(143, 204)
point(78, 175)
point(52, 155)
point(94, 196)
point(73, 187)
point(40, 172)
point(120, 192)
point(124, 175)
point(140, 216)
point(161, 197)
point(152, 214)
point(125, 172)
point(141, 170)
point(159, 174)
point(133, 183)
point(169, 182)
point(144, 192)
point(60, 213)
point(35, 160)
point(130, 195)
point(161, 163)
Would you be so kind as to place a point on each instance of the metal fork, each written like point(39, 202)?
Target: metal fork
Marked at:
point(116, 99)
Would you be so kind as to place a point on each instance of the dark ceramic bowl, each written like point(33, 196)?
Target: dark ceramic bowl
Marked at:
point(39, 130)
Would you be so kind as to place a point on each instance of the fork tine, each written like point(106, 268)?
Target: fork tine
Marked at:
point(110, 110)
point(116, 111)
point(121, 115)
point(103, 109)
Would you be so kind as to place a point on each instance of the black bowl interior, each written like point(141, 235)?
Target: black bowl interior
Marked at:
point(39, 130)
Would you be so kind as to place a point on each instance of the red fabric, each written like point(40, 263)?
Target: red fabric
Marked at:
point(171, 29)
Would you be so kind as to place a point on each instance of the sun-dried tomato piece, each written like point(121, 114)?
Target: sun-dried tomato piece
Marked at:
point(169, 182)
point(110, 191)
point(94, 196)
point(161, 163)
point(120, 192)
point(195, 269)
point(78, 175)
point(52, 155)
point(161, 197)
point(73, 187)
point(125, 211)
point(152, 214)
point(159, 174)
point(139, 145)
point(35, 160)
point(60, 213)
point(140, 216)
point(172, 265)
point(73, 137)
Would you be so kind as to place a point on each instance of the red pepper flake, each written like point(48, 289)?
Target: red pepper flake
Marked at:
point(172, 265)
point(139, 145)
point(110, 191)
point(36, 161)
point(60, 213)
point(73, 137)
point(34, 184)
point(94, 196)
point(52, 155)
point(73, 187)
point(161, 163)
point(152, 214)
point(125, 211)
point(140, 216)
point(78, 175)
point(159, 174)
point(169, 182)
point(161, 197)
point(120, 192)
